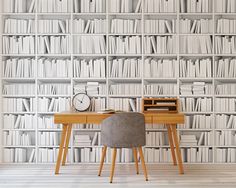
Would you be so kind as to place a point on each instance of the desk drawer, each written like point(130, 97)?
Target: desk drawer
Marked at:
point(69, 119)
point(169, 119)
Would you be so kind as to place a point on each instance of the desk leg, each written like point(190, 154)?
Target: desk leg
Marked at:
point(69, 128)
point(179, 158)
point(63, 134)
point(170, 137)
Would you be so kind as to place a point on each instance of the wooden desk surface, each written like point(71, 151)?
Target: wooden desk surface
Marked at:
point(97, 118)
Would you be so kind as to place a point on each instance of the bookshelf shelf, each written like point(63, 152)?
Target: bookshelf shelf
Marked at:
point(44, 118)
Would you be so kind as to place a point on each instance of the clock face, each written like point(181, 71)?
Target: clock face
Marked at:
point(81, 101)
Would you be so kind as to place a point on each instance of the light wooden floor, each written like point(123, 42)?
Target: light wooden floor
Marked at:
point(81, 176)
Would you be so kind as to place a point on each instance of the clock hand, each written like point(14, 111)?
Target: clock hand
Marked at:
point(79, 100)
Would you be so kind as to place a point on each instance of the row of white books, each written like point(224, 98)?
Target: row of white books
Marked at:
point(195, 6)
point(15, 26)
point(226, 68)
point(49, 6)
point(188, 140)
point(201, 68)
point(97, 104)
point(92, 155)
point(197, 155)
point(125, 26)
point(160, 68)
point(160, 6)
point(225, 104)
point(155, 155)
point(53, 26)
point(225, 25)
point(160, 26)
point(124, 6)
point(198, 122)
point(89, 26)
point(48, 138)
point(225, 89)
point(225, 6)
point(226, 155)
point(47, 122)
point(18, 155)
point(58, 104)
point(26, 121)
point(51, 68)
point(12, 105)
point(88, 68)
point(196, 44)
point(91, 88)
point(125, 68)
point(156, 139)
point(196, 104)
point(124, 45)
point(225, 138)
point(17, 138)
point(53, 44)
point(196, 26)
point(18, 89)
point(19, 68)
point(160, 89)
point(125, 89)
point(89, 6)
point(160, 44)
point(54, 89)
point(87, 140)
point(18, 45)
point(125, 104)
point(89, 45)
point(224, 121)
point(225, 45)
point(202, 139)
point(196, 88)
point(49, 155)
point(19, 6)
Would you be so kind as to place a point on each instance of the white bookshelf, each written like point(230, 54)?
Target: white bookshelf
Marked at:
point(143, 80)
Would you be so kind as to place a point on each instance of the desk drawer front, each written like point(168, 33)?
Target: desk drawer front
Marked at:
point(169, 120)
point(70, 119)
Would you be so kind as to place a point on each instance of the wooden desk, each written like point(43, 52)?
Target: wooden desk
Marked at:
point(69, 118)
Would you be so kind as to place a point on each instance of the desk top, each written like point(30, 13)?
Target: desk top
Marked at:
point(97, 118)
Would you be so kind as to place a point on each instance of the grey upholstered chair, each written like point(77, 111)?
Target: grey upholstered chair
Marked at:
point(123, 130)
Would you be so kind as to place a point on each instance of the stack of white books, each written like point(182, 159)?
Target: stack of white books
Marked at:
point(199, 88)
point(196, 26)
point(50, 6)
point(226, 68)
point(19, 26)
point(160, 6)
point(160, 26)
point(53, 26)
point(188, 140)
point(89, 26)
point(125, 26)
point(82, 140)
point(186, 89)
point(92, 88)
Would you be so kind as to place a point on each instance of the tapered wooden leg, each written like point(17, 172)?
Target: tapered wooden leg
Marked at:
point(68, 133)
point(143, 162)
point(171, 144)
point(63, 135)
point(102, 160)
point(113, 164)
point(136, 159)
point(178, 153)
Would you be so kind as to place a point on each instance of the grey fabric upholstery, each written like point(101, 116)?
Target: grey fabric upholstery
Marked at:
point(124, 130)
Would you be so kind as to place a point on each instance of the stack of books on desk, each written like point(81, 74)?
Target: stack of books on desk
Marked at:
point(188, 140)
point(82, 140)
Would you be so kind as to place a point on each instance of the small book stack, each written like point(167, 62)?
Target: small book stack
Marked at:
point(92, 88)
point(188, 140)
point(186, 89)
point(198, 88)
point(82, 140)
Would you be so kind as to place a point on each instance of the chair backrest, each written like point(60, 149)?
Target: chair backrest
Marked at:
point(124, 130)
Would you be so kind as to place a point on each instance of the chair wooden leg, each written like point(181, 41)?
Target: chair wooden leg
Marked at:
point(143, 162)
point(63, 135)
point(136, 159)
point(179, 158)
point(171, 144)
point(113, 164)
point(69, 128)
point(102, 160)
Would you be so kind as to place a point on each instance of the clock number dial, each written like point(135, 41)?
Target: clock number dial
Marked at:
point(81, 102)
